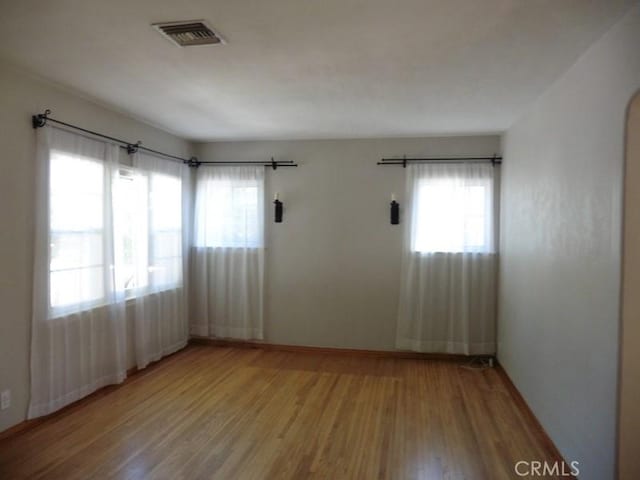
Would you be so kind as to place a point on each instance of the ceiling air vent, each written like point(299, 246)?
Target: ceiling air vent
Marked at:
point(189, 34)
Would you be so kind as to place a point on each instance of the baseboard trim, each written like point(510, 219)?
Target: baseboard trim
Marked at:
point(221, 342)
point(523, 406)
point(132, 374)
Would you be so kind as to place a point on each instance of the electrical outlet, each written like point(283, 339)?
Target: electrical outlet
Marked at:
point(5, 399)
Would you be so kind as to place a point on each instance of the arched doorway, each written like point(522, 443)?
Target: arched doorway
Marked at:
point(629, 406)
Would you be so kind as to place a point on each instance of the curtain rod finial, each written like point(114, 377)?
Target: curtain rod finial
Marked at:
point(40, 120)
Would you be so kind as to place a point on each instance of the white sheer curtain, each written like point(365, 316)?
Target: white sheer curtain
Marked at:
point(78, 337)
point(448, 284)
point(153, 241)
point(227, 261)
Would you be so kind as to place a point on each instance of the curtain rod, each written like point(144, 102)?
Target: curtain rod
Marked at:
point(41, 119)
point(494, 160)
point(272, 163)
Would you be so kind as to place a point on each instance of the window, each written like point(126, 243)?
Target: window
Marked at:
point(132, 231)
point(453, 214)
point(229, 207)
point(148, 231)
point(76, 218)
point(165, 226)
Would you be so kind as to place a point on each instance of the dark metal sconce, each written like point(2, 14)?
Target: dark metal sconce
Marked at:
point(395, 211)
point(278, 209)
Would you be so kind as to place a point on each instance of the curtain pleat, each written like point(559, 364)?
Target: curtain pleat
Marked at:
point(75, 348)
point(161, 311)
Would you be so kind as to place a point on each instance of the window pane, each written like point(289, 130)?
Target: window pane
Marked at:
point(165, 263)
point(451, 216)
point(245, 214)
point(76, 193)
point(148, 231)
point(75, 249)
point(131, 225)
point(166, 202)
point(475, 200)
point(77, 287)
point(229, 216)
point(474, 232)
point(76, 223)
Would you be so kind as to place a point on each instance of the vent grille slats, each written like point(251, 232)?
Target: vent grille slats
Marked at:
point(189, 33)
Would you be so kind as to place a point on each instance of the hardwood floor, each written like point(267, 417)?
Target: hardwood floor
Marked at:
point(233, 413)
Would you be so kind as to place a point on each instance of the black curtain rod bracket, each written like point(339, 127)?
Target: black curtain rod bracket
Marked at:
point(133, 148)
point(193, 162)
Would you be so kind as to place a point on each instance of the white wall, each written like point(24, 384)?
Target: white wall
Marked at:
point(560, 258)
point(22, 95)
point(333, 265)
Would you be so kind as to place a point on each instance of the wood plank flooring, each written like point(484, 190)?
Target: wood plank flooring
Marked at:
point(232, 413)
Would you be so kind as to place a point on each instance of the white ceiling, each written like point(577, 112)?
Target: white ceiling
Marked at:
point(310, 68)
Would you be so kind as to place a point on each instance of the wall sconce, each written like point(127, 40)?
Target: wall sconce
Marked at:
point(395, 210)
point(278, 208)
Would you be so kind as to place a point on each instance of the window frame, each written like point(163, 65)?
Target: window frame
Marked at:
point(129, 173)
point(202, 239)
point(488, 244)
point(55, 311)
